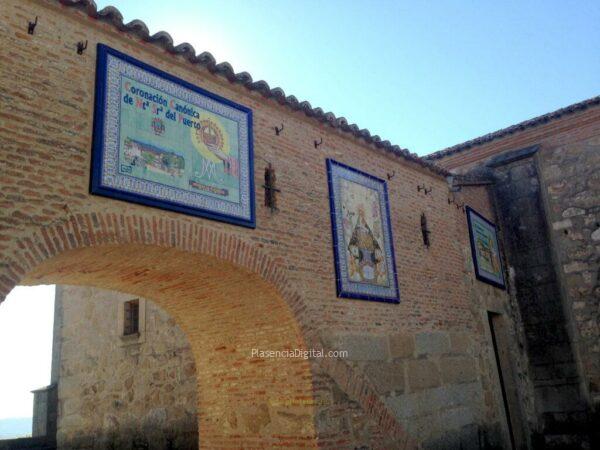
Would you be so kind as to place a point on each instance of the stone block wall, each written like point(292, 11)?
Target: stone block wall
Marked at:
point(548, 199)
point(431, 380)
point(571, 180)
point(553, 366)
point(45, 412)
point(118, 391)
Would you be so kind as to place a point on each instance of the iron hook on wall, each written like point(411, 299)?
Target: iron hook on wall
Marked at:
point(32, 25)
point(317, 143)
point(424, 189)
point(391, 175)
point(278, 130)
point(458, 205)
point(81, 47)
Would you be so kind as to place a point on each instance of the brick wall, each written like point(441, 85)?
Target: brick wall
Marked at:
point(231, 288)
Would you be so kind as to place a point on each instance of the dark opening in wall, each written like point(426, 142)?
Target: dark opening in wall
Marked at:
point(131, 322)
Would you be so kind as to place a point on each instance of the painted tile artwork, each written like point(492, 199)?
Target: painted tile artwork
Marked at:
point(484, 249)
point(162, 142)
point(363, 233)
point(363, 248)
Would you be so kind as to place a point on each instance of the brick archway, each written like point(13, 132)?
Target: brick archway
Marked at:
point(82, 248)
point(226, 295)
point(96, 228)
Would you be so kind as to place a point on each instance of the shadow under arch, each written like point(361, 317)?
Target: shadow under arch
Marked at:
point(228, 298)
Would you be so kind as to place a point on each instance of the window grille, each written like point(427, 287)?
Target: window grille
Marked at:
point(131, 322)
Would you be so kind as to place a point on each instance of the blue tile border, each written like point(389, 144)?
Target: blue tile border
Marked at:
point(102, 182)
point(345, 287)
point(479, 273)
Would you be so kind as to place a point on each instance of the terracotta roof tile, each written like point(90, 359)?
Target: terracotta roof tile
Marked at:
point(112, 15)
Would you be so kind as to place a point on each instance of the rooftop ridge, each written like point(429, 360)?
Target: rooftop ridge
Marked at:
point(112, 15)
point(521, 126)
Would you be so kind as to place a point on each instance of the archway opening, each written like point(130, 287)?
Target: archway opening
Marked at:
point(227, 314)
point(26, 329)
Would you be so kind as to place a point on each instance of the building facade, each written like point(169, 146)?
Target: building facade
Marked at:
point(120, 387)
point(545, 184)
point(435, 370)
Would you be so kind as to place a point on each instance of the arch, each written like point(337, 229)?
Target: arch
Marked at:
point(50, 253)
point(98, 228)
point(227, 296)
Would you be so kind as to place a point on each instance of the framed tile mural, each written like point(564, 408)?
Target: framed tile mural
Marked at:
point(163, 142)
point(362, 235)
point(484, 249)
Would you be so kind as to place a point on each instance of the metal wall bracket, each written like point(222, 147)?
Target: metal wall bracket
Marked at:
point(425, 230)
point(270, 188)
point(81, 47)
point(32, 25)
point(452, 201)
point(424, 189)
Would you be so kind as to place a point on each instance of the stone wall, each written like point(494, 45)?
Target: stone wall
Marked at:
point(548, 200)
point(45, 412)
point(118, 391)
point(553, 367)
point(571, 180)
point(430, 380)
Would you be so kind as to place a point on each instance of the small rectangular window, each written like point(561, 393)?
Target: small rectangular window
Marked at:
point(131, 322)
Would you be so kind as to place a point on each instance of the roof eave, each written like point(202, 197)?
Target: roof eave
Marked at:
point(113, 16)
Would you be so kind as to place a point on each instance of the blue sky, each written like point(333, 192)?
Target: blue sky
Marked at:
point(424, 75)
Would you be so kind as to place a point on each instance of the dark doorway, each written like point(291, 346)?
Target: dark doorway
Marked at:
point(492, 318)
